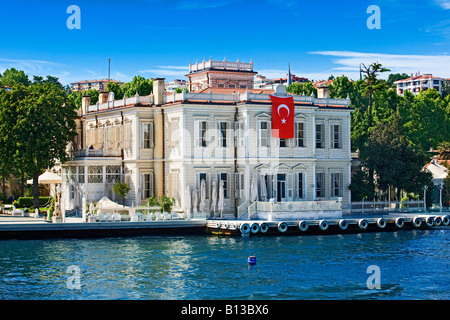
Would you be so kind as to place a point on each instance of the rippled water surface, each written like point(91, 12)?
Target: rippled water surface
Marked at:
point(413, 265)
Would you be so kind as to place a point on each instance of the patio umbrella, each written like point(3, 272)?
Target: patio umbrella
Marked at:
point(263, 188)
point(188, 201)
point(213, 196)
point(195, 199)
point(202, 196)
point(221, 202)
point(254, 188)
point(47, 177)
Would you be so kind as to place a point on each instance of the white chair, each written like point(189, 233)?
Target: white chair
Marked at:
point(167, 216)
point(149, 217)
point(175, 216)
point(159, 216)
point(101, 217)
point(109, 217)
point(116, 216)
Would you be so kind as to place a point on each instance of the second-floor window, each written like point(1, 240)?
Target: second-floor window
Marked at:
point(299, 134)
point(223, 134)
point(202, 127)
point(263, 133)
point(147, 129)
point(336, 136)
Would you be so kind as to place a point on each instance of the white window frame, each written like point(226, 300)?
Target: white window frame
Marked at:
point(336, 137)
point(297, 130)
point(267, 136)
point(336, 191)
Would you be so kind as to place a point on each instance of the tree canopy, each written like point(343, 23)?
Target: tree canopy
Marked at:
point(36, 124)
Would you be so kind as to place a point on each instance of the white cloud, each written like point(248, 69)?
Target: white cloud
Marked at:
point(444, 4)
point(168, 71)
point(349, 62)
point(28, 66)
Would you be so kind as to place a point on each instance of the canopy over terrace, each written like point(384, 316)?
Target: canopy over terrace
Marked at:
point(48, 177)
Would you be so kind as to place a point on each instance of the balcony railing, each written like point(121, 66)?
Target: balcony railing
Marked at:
point(120, 103)
point(95, 153)
point(210, 64)
point(210, 97)
point(247, 96)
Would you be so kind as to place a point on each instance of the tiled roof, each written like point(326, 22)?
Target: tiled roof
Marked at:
point(422, 77)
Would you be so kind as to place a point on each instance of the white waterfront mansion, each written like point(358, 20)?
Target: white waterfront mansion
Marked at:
point(163, 143)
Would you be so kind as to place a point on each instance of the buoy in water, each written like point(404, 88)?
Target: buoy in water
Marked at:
point(251, 259)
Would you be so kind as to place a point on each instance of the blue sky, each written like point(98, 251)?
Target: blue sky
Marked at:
point(158, 38)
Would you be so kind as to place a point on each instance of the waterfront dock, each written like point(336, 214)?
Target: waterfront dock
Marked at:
point(349, 224)
point(13, 227)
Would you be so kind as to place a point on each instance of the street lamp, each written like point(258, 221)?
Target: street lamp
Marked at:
point(58, 197)
point(441, 187)
point(425, 198)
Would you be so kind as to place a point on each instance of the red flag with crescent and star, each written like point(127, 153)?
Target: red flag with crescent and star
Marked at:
point(282, 117)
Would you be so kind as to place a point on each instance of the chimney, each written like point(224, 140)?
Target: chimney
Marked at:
point(158, 91)
point(85, 103)
point(103, 97)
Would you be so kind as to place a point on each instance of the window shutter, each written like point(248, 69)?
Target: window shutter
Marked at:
point(151, 136)
point(236, 185)
point(197, 134)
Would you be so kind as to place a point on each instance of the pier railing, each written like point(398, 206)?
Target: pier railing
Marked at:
point(287, 207)
point(387, 206)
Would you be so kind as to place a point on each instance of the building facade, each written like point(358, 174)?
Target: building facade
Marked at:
point(417, 83)
point(161, 144)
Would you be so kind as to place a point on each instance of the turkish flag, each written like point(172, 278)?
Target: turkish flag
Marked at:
point(282, 117)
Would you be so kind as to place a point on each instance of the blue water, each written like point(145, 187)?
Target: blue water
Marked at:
point(413, 264)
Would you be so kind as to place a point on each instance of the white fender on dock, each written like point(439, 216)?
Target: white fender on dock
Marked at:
point(363, 224)
point(417, 222)
point(224, 225)
point(399, 222)
point(263, 227)
point(429, 221)
point(254, 228)
point(323, 225)
point(282, 227)
point(381, 223)
point(303, 225)
point(343, 224)
point(445, 220)
point(232, 226)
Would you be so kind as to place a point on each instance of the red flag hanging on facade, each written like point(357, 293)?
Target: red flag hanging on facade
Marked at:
point(282, 117)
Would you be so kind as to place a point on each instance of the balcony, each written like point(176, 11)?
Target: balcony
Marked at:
point(95, 153)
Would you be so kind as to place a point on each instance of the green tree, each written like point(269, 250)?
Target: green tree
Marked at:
point(13, 76)
point(395, 77)
point(395, 161)
point(114, 87)
point(121, 189)
point(426, 120)
point(302, 89)
point(362, 186)
point(42, 125)
point(139, 84)
point(371, 82)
